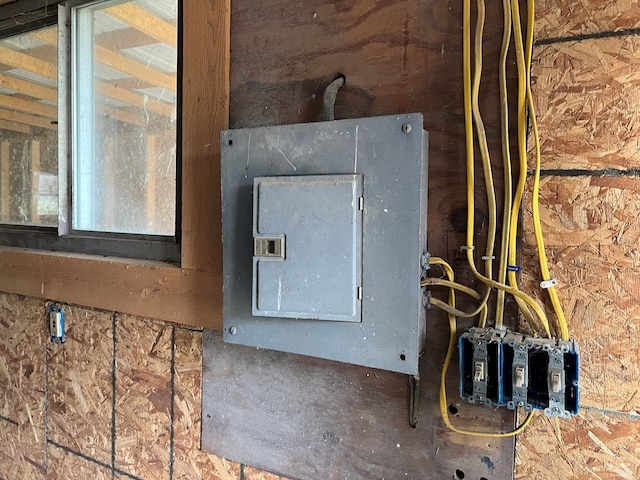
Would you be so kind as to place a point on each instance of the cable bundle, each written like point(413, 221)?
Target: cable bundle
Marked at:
point(506, 281)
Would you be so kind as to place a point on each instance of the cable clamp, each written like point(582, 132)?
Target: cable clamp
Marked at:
point(548, 283)
point(488, 257)
point(467, 247)
point(514, 268)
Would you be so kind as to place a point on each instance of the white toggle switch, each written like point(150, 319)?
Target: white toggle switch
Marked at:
point(519, 378)
point(478, 372)
point(556, 382)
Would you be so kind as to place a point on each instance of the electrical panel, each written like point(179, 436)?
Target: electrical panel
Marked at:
point(324, 239)
point(500, 367)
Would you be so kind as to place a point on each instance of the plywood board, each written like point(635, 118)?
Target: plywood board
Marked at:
point(80, 384)
point(565, 18)
point(65, 465)
point(593, 445)
point(22, 387)
point(587, 100)
point(143, 398)
point(22, 451)
point(592, 226)
point(308, 418)
point(251, 473)
point(190, 462)
point(398, 57)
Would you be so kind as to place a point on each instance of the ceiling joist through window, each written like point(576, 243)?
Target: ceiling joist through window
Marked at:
point(135, 56)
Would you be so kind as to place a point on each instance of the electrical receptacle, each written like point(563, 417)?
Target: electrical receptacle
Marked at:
point(56, 324)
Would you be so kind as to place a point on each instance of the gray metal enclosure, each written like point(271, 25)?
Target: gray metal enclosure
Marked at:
point(324, 234)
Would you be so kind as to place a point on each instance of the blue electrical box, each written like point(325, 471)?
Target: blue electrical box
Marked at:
point(503, 368)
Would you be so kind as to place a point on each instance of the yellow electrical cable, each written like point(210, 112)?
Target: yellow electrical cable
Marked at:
point(516, 293)
point(535, 205)
point(468, 127)
point(522, 154)
point(445, 367)
point(522, 298)
point(506, 159)
point(482, 141)
point(454, 311)
point(463, 288)
point(438, 282)
point(445, 266)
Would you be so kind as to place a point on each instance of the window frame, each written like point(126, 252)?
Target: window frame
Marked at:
point(65, 237)
point(190, 293)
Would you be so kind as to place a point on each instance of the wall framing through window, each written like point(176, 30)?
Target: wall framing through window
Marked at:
point(188, 294)
point(137, 163)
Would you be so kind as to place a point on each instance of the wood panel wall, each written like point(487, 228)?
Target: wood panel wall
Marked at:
point(586, 75)
point(124, 385)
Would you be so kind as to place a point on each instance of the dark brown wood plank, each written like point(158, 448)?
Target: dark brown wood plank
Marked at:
point(205, 112)
point(398, 57)
point(281, 412)
point(307, 418)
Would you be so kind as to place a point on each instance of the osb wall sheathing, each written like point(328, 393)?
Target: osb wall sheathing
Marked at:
point(588, 99)
point(22, 386)
point(120, 399)
point(586, 84)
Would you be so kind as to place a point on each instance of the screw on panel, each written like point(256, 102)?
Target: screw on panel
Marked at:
point(406, 128)
point(233, 330)
point(424, 263)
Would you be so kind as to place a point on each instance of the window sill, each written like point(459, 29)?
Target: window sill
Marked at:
point(144, 288)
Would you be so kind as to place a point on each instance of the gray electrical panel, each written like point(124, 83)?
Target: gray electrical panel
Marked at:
point(324, 239)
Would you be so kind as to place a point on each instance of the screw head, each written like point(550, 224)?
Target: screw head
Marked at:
point(233, 330)
point(406, 128)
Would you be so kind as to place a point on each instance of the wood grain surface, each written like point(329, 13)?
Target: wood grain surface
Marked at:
point(326, 420)
point(308, 419)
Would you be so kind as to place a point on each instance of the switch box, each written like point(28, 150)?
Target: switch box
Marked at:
point(324, 237)
point(519, 371)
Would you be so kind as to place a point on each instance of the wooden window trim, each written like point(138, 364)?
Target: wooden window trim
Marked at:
point(190, 294)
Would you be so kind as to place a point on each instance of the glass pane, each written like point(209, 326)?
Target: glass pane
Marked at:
point(28, 130)
point(124, 168)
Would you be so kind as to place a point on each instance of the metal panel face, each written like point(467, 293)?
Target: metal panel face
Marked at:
point(307, 237)
point(385, 157)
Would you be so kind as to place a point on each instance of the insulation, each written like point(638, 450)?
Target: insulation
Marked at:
point(587, 97)
point(80, 384)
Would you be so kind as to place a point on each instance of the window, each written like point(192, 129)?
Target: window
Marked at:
point(188, 292)
point(124, 108)
point(28, 131)
point(89, 129)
